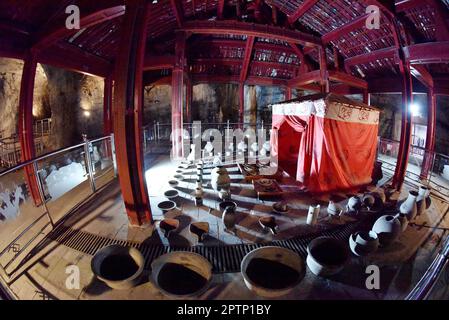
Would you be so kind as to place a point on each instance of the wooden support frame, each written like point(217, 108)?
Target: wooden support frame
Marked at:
point(178, 75)
point(26, 134)
point(127, 114)
point(431, 134)
point(302, 10)
point(107, 105)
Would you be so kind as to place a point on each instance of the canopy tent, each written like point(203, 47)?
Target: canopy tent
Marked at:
point(327, 142)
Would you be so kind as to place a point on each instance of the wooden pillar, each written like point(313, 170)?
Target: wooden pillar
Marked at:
point(107, 106)
point(127, 113)
point(26, 134)
point(189, 99)
point(431, 134)
point(288, 93)
point(325, 87)
point(178, 95)
point(241, 103)
point(366, 97)
point(406, 126)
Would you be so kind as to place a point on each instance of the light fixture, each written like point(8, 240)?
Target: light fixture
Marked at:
point(415, 110)
point(86, 113)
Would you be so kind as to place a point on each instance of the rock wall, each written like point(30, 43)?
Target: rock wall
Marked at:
point(214, 103)
point(73, 101)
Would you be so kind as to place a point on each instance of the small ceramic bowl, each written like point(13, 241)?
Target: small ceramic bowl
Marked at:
point(179, 177)
point(173, 183)
point(166, 206)
point(171, 194)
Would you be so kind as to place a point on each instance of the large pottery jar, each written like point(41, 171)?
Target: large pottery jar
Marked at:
point(388, 229)
point(423, 200)
point(403, 220)
point(363, 243)
point(377, 173)
point(409, 206)
point(219, 179)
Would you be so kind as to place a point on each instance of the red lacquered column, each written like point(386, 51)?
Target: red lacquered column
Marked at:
point(127, 113)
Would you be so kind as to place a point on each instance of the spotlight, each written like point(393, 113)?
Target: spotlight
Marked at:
point(86, 114)
point(415, 110)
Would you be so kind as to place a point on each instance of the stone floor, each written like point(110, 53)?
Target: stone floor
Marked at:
point(402, 264)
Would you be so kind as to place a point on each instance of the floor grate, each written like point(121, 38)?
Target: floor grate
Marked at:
point(224, 258)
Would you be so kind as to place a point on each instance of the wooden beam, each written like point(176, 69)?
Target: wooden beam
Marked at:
point(247, 59)
point(250, 29)
point(348, 79)
point(421, 73)
point(345, 29)
point(301, 10)
point(158, 62)
point(103, 12)
point(373, 56)
point(305, 79)
point(80, 61)
point(107, 105)
point(425, 53)
point(220, 9)
point(177, 10)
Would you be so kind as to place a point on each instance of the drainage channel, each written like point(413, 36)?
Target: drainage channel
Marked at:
point(224, 258)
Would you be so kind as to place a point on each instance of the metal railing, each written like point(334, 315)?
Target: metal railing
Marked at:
point(437, 165)
point(94, 159)
point(160, 132)
point(424, 287)
point(10, 149)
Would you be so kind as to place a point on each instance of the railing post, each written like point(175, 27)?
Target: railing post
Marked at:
point(87, 146)
point(41, 193)
point(158, 132)
point(114, 160)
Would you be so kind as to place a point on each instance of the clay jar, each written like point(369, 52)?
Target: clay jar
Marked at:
point(423, 200)
point(354, 204)
point(229, 217)
point(220, 179)
point(403, 220)
point(388, 229)
point(363, 243)
point(409, 206)
point(326, 256)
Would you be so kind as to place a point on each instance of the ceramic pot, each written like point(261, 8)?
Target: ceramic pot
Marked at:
point(258, 281)
point(377, 173)
point(403, 220)
point(199, 183)
point(312, 215)
point(409, 206)
point(103, 259)
point(172, 268)
point(224, 194)
point(220, 179)
point(326, 256)
point(229, 217)
point(363, 243)
point(368, 201)
point(334, 209)
point(423, 200)
point(354, 204)
point(199, 192)
point(388, 229)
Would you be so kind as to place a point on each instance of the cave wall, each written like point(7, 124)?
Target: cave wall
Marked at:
point(215, 103)
point(74, 102)
point(10, 81)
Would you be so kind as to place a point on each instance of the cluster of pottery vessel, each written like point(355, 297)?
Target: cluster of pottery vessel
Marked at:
point(388, 228)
